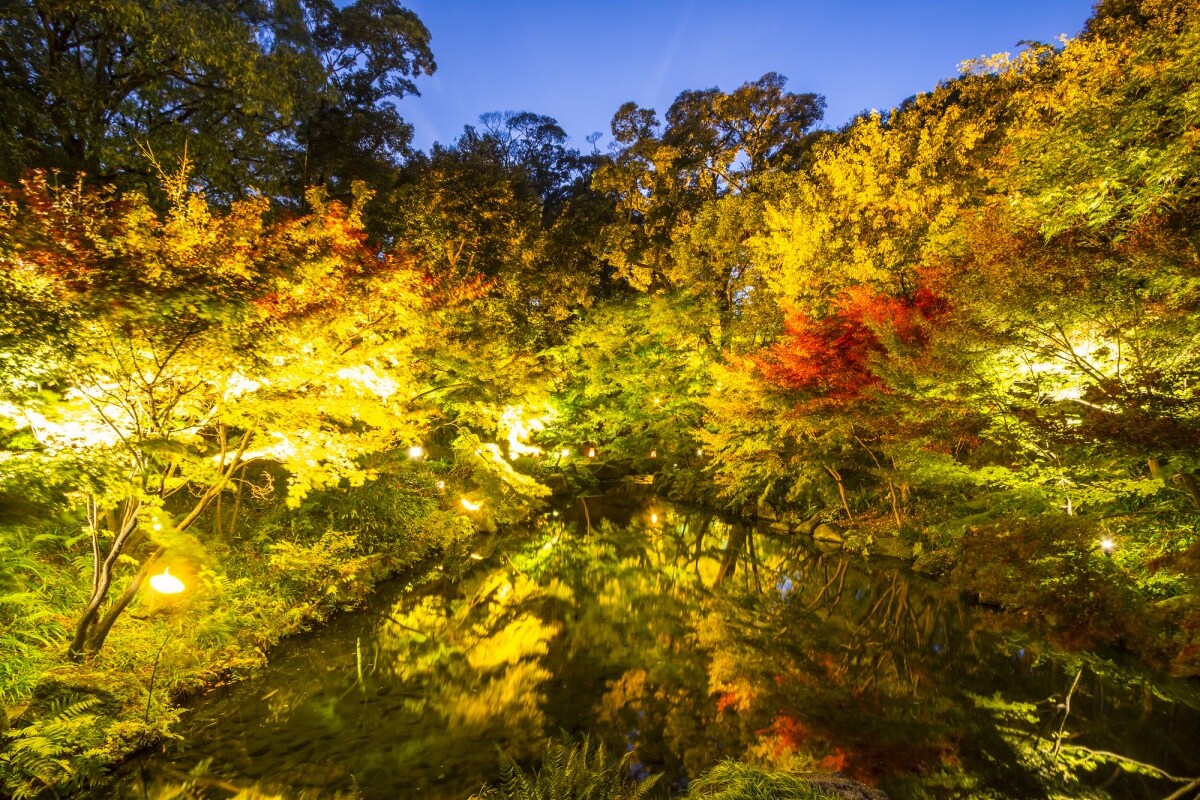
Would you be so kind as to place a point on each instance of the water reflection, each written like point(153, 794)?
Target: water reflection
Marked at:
point(687, 639)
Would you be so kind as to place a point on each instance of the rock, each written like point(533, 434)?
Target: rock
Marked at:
point(934, 563)
point(890, 547)
point(827, 533)
point(764, 511)
point(780, 526)
point(807, 526)
point(840, 786)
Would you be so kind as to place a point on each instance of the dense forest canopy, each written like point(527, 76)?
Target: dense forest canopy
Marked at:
point(247, 333)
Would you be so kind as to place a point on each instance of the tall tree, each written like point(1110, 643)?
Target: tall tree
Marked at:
point(260, 94)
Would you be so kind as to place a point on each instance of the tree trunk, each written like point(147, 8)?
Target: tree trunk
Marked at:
point(1189, 484)
point(102, 580)
point(99, 632)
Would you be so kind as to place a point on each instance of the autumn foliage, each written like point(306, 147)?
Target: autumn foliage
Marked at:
point(833, 355)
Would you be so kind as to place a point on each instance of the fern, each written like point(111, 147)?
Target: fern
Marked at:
point(58, 753)
point(571, 771)
point(731, 780)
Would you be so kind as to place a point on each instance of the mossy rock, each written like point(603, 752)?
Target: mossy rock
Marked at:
point(805, 526)
point(841, 786)
point(57, 693)
point(934, 563)
point(890, 547)
point(827, 533)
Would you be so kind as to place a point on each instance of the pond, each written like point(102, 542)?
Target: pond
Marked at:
point(688, 639)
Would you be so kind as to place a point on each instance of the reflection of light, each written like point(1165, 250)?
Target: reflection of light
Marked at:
point(470, 506)
point(166, 583)
point(504, 591)
point(415, 451)
point(1107, 545)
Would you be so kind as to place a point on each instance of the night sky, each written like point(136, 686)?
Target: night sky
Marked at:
point(579, 61)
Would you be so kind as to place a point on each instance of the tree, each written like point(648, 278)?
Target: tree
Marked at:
point(370, 52)
point(713, 144)
point(509, 204)
point(263, 94)
point(186, 346)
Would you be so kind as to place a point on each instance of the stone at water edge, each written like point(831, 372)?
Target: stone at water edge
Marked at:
point(827, 533)
point(843, 787)
point(934, 563)
point(890, 547)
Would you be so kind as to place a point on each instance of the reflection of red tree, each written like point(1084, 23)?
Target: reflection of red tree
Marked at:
point(833, 354)
point(791, 736)
point(726, 700)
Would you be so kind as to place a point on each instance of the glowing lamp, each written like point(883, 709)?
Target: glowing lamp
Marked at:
point(156, 526)
point(591, 452)
point(1107, 545)
point(469, 505)
point(565, 452)
point(166, 583)
point(653, 519)
point(441, 486)
point(654, 454)
point(415, 451)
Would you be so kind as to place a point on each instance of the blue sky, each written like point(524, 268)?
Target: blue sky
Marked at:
point(579, 61)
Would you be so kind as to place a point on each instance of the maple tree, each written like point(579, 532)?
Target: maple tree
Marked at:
point(187, 346)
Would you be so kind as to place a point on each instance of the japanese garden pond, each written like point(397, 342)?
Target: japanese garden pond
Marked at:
point(689, 639)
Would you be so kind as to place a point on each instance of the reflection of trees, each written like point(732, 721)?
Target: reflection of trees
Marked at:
point(871, 671)
point(471, 668)
point(691, 639)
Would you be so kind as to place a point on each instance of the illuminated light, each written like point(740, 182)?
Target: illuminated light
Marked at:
point(476, 557)
point(1107, 545)
point(700, 451)
point(469, 505)
point(519, 429)
point(416, 451)
point(441, 486)
point(156, 526)
point(237, 385)
point(653, 519)
point(658, 401)
point(364, 377)
point(654, 453)
point(565, 452)
point(166, 583)
point(591, 452)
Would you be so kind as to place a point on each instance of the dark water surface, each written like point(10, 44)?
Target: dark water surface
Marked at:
point(688, 639)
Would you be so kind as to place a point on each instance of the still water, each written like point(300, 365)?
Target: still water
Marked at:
point(688, 639)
